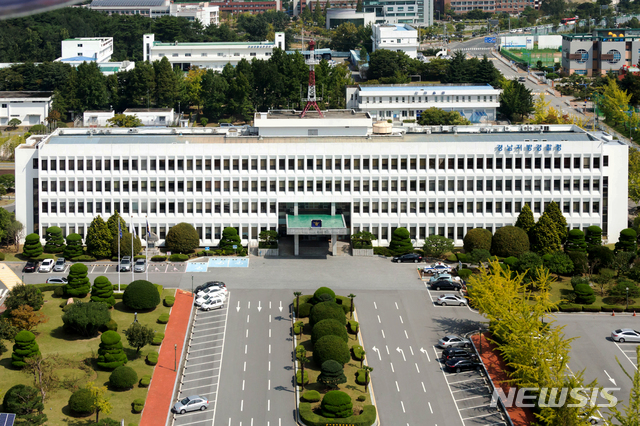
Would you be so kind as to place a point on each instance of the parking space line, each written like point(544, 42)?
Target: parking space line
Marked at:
point(474, 397)
point(482, 415)
point(196, 387)
point(202, 371)
point(200, 356)
point(627, 356)
point(192, 423)
point(468, 389)
point(477, 406)
point(452, 397)
point(463, 381)
point(195, 380)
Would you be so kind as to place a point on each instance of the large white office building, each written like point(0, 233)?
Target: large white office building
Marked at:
point(436, 181)
point(209, 55)
point(28, 107)
point(400, 102)
point(204, 12)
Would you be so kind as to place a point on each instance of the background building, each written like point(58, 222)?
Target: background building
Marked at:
point(29, 107)
point(602, 51)
point(234, 7)
point(337, 17)
point(396, 37)
point(98, 49)
point(406, 101)
point(161, 117)
point(512, 7)
point(416, 12)
point(204, 12)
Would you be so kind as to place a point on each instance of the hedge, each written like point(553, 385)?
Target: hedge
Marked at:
point(310, 396)
point(157, 339)
point(163, 319)
point(169, 301)
point(309, 418)
point(306, 377)
point(633, 309)
point(140, 256)
point(158, 258)
point(354, 326)
point(358, 352)
point(568, 307)
point(326, 310)
point(152, 358)
point(382, 251)
point(137, 405)
point(83, 258)
point(305, 310)
point(320, 291)
point(360, 376)
point(177, 257)
point(614, 308)
point(590, 308)
point(145, 381)
point(465, 273)
point(328, 327)
point(47, 287)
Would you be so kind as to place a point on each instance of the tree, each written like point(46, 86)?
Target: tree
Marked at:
point(358, 6)
point(529, 264)
point(614, 102)
point(99, 239)
point(525, 219)
point(544, 236)
point(92, 88)
point(362, 240)
point(78, 284)
point(268, 239)
point(166, 84)
point(101, 402)
point(74, 246)
point(111, 354)
point(331, 347)
point(332, 374)
point(603, 279)
point(559, 264)
point(26, 404)
point(25, 347)
point(15, 231)
point(401, 242)
point(631, 414)
point(24, 318)
point(54, 240)
point(478, 256)
point(345, 37)
point(576, 241)
point(230, 238)
point(477, 238)
point(182, 238)
point(297, 294)
point(141, 295)
point(139, 336)
point(14, 123)
point(351, 307)
point(437, 117)
point(515, 100)
point(112, 224)
point(559, 221)
point(593, 237)
point(125, 245)
point(102, 291)
point(302, 359)
point(634, 175)
point(121, 120)
point(45, 372)
point(22, 294)
point(32, 246)
point(627, 241)
point(437, 246)
point(509, 241)
point(7, 332)
point(328, 327)
point(336, 404)
point(623, 288)
point(81, 402)
point(86, 318)
point(123, 378)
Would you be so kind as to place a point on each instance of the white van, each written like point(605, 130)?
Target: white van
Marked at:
point(213, 303)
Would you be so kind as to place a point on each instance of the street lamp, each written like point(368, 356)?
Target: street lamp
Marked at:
point(192, 286)
point(627, 298)
point(175, 357)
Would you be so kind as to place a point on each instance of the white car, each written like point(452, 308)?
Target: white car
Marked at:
point(212, 290)
point(46, 265)
point(451, 299)
point(436, 268)
point(207, 297)
point(213, 303)
point(625, 335)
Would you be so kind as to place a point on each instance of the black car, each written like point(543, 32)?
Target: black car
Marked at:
point(457, 353)
point(209, 284)
point(409, 257)
point(31, 266)
point(446, 285)
point(459, 364)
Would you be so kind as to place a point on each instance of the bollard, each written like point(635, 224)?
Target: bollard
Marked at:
point(613, 314)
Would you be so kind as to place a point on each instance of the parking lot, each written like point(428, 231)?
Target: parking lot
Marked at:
point(471, 393)
point(201, 374)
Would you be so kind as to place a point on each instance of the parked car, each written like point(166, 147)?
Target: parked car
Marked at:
point(212, 290)
point(457, 353)
point(451, 299)
point(31, 266)
point(209, 284)
point(446, 285)
point(459, 364)
point(442, 276)
point(436, 268)
point(125, 264)
point(454, 341)
point(207, 297)
point(625, 335)
point(57, 280)
point(140, 265)
point(213, 303)
point(409, 257)
point(191, 403)
point(46, 265)
point(60, 265)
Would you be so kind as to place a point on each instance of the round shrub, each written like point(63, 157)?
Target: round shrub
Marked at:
point(137, 405)
point(321, 291)
point(327, 310)
point(509, 241)
point(152, 358)
point(328, 327)
point(177, 257)
point(123, 378)
point(627, 241)
point(25, 347)
point(163, 319)
point(477, 238)
point(110, 353)
point(85, 319)
point(141, 295)
point(182, 238)
point(298, 377)
point(78, 285)
point(169, 301)
point(157, 339)
point(111, 325)
point(145, 381)
point(54, 239)
point(584, 294)
point(81, 402)
point(58, 292)
point(331, 347)
point(102, 291)
point(304, 310)
point(32, 246)
point(22, 400)
point(464, 273)
point(336, 404)
point(361, 398)
point(311, 396)
point(576, 241)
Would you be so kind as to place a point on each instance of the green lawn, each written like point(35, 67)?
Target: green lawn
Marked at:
point(561, 289)
point(53, 339)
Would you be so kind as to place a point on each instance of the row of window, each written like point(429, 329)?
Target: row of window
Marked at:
point(326, 185)
point(219, 54)
point(469, 207)
point(418, 99)
point(263, 164)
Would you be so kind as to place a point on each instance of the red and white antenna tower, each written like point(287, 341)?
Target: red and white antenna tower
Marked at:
point(311, 91)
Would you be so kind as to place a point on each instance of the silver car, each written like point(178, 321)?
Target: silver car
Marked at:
point(454, 342)
point(60, 265)
point(191, 403)
point(140, 265)
point(125, 264)
point(625, 335)
point(451, 299)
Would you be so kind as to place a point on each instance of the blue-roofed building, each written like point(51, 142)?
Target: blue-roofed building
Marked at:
point(399, 102)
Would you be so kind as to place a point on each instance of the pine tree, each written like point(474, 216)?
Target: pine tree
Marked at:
point(125, 245)
point(553, 210)
point(102, 291)
point(92, 87)
point(401, 242)
point(99, 239)
point(359, 6)
point(575, 241)
point(74, 246)
point(55, 241)
point(318, 16)
point(32, 246)
point(525, 221)
point(544, 235)
point(112, 224)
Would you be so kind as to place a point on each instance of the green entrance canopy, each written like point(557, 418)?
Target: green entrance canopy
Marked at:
point(316, 224)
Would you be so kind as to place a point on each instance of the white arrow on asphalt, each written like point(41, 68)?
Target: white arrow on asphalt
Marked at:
point(280, 306)
point(402, 352)
point(424, 351)
point(376, 350)
point(259, 307)
point(612, 381)
point(238, 307)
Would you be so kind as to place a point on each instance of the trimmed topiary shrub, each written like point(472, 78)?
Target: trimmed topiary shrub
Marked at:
point(584, 294)
point(141, 295)
point(358, 352)
point(576, 241)
point(627, 241)
point(298, 326)
point(74, 246)
point(32, 246)
point(152, 358)
point(84, 258)
point(304, 310)
point(81, 402)
point(327, 310)
point(137, 405)
point(102, 291)
point(400, 242)
point(169, 301)
point(336, 404)
point(123, 378)
point(477, 238)
point(332, 373)
point(85, 319)
point(111, 325)
point(361, 398)
point(157, 339)
point(593, 238)
point(319, 292)
point(163, 319)
point(310, 418)
point(311, 396)
point(614, 308)
point(111, 354)
point(182, 238)
point(353, 326)
point(78, 285)
point(328, 327)
point(145, 381)
point(54, 239)
point(509, 241)
point(298, 377)
point(331, 347)
point(177, 257)
point(25, 347)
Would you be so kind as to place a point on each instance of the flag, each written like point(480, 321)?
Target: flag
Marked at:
point(119, 228)
point(133, 230)
point(148, 229)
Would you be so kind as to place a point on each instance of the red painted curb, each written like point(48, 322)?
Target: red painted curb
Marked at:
point(159, 397)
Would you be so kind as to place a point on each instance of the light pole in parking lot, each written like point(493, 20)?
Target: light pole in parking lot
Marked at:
point(175, 357)
point(627, 298)
point(192, 286)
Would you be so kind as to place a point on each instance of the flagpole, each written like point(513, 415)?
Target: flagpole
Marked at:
point(119, 238)
point(146, 249)
point(133, 233)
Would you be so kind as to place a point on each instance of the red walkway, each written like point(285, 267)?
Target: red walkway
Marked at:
point(160, 397)
point(497, 370)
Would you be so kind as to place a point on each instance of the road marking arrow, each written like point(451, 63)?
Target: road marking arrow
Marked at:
point(280, 306)
point(612, 381)
point(402, 352)
point(259, 307)
point(376, 350)
point(424, 351)
point(238, 307)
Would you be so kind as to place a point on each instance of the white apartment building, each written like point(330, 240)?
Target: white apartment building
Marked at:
point(97, 49)
point(397, 37)
point(400, 102)
point(29, 107)
point(444, 180)
point(204, 12)
point(153, 116)
point(208, 55)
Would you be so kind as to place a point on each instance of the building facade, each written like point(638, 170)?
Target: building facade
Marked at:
point(512, 7)
point(442, 181)
point(400, 102)
point(413, 12)
point(208, 55)
point(396, 37)
point(29, 107)
point(154, 116)
point(336, 17)
point(204, 12)
point(99, 49)
point(602, 51)
point(235, 7)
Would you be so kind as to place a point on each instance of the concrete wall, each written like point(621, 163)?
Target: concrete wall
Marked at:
point(549, 41)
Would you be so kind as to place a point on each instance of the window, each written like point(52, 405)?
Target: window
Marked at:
point(605, 161)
